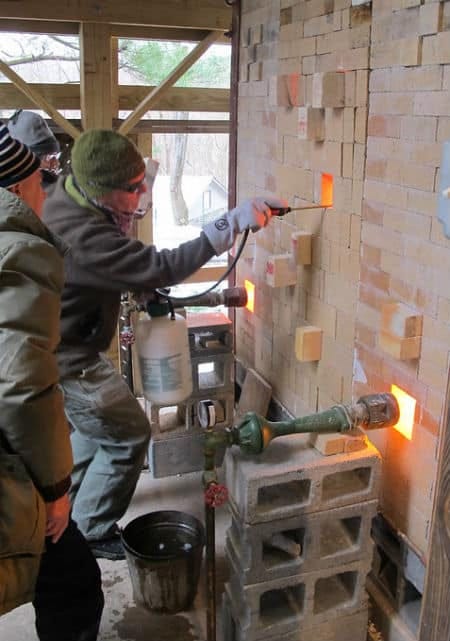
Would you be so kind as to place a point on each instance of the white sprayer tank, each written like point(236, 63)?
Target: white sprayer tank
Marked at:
point(164, 357)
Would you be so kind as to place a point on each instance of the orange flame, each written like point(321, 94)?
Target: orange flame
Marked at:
point(327, 190)
point(250, 289)
point(407, 406)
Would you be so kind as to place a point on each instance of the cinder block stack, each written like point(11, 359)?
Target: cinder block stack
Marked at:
point(299, 544)
point(177, 438)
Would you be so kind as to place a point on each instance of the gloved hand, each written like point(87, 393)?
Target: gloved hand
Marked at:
point(252, 214)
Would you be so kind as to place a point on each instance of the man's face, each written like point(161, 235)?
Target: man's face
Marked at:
point(125, 200)
point(30, 190)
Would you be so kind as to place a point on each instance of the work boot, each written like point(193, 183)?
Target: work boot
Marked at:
point(110, 548)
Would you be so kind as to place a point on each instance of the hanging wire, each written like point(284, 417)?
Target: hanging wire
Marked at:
point(225, 275)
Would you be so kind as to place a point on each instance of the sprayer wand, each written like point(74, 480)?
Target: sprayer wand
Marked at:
point(282, 211)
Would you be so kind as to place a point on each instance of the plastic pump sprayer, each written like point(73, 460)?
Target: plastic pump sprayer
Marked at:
point(162, 342)
point(164, 356)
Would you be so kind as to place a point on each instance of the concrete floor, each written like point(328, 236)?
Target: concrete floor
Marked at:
point(122, 620)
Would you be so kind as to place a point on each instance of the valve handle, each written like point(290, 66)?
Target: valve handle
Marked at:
point(126, 336)
point(216, 495)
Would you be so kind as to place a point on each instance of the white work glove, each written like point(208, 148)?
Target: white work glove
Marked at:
point(252, 214)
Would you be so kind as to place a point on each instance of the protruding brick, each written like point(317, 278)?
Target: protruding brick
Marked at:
point(402, 349)
point(328, 89)
point(355, 441)
point(400, 320)
point(311, 123)
point(281, 270)
point(308, 343)
point(328, 444)
point(289, 89)
point(301, 247)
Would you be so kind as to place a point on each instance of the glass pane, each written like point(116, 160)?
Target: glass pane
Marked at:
point(148, 62)
point(42, 58)
point(197, 166)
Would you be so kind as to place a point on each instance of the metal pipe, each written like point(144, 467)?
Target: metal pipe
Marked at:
point(210, 527)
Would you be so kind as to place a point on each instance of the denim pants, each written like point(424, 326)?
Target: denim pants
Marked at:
point(68, 597)
point(110, 435)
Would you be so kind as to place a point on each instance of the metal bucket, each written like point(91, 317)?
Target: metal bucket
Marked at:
point(164, 554)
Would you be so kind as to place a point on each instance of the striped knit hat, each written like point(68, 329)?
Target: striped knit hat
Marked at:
point(17, 162)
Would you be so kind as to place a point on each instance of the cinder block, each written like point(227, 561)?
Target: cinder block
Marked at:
point(344, 628)
point(301, 243)
point(285, 605)
point(328, 444)
point(311, 123)
point(328, 89)
point(399, 320)
point(300, 544)
point(212, 375)
point(291, 478)
point(402, 349)
point(281, 270)
point(308, 343)
point(181, 454)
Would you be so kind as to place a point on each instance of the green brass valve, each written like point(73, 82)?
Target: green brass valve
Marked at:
point(254, 433)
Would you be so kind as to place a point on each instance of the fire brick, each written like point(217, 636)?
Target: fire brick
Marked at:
point(328, 89)
point(301, 247)
point(281, 270)
point(401, 321)
point(311, 123)
point(308, 343)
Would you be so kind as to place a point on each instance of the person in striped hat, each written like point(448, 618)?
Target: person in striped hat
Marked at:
point(43, 556)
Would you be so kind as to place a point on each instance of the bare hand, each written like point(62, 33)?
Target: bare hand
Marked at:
point(58, 513)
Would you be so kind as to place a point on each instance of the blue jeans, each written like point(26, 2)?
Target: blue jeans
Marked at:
point(109, 440)
point(68, 597)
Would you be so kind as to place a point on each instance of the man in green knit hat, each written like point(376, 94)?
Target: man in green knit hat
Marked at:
point(92, 210)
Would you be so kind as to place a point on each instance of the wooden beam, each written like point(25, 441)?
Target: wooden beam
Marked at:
point(193, 14)
point(153, 97)
point(132, 32)
point(167, 126)
point(67, 96)
point(39, 26)
point(435, 614)
point(176, 98)
point(96, 76)
point(38, 100)
point(143, 32)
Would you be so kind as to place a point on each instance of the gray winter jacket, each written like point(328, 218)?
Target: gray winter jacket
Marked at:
point(101, 264)
point(35, 452)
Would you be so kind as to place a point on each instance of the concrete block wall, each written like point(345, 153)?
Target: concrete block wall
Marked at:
point(380, 243)
point(297, 562)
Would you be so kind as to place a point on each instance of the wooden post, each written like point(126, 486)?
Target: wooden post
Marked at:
point(96, 75)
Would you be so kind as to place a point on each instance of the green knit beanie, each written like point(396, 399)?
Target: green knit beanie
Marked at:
point(103, 160)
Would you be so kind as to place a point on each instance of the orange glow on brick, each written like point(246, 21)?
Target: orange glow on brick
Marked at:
point(327, 190)
point(407, 406)
point(250, 289)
